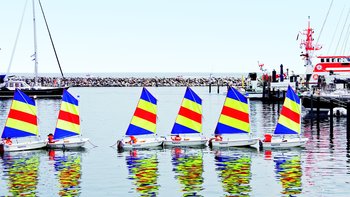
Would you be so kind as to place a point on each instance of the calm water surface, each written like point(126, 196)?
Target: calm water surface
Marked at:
point(322, 168)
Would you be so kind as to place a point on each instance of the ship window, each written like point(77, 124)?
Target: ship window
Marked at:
point(322, 60)
point(327, 60)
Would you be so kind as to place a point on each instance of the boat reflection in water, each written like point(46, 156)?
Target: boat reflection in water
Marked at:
point(21, 171)
point(68, 168)
point(288, 172)
point(234, 171)
point(143, 170)
point(188, 168)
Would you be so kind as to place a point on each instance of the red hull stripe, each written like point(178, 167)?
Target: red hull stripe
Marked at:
point(233, 113)
point(63, 115)
point(151, 117)
point(295, 117)
point(190, 114)
point(22, 116)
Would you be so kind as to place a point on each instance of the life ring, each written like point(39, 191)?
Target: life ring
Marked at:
point(315, 76)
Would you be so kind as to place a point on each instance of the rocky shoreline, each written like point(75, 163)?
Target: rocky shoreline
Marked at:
point(132, 81)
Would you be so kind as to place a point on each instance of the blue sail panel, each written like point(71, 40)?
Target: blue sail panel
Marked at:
point(22, 97)
point(280, 129)
point(191, 95)
point(180, 129)
point(61, 133)
point(225, 129)
point(147, 96)
point(67, 97)
point(292, 95)
point(235, 94)
point(135, 130)
point(13, 133)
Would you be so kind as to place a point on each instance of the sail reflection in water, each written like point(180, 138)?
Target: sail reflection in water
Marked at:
point(143, 170)
point(288, 173)
point(188, 168)
point(21, 172)
point(68, 167)
point(234, 172)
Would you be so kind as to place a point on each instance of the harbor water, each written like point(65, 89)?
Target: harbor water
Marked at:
point(322, 168)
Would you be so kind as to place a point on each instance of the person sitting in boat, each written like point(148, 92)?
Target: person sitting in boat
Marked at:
point(8, 141)
point(218, 137)
point(268, 137)
point(133, 139)
point(50, 138)
point(176, 138)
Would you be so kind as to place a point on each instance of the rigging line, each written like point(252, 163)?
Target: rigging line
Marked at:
point(53, 46)
point(346, 39)
point(341, 34)
point(324, 22)
point(15, 45)
point(336, 29)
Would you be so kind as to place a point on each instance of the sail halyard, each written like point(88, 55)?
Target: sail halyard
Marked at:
point(290, 116)
point(189, 118)
point(234, 117)
point(22, 118)
point(35, 55)
point(68, 121)
point(144, 120)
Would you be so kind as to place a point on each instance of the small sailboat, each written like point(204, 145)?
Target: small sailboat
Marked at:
point(233, 128)
point(67, 133)
point(288, 128)
point(187, 130)
point(21, 129)
point(141, 132)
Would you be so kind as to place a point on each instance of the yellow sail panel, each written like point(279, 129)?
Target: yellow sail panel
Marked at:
point(147, 106)
point(289, 123)
point(189, 123)
point(68, 126)
point(235, 123)
point(192, 106)
point(143, 123)
point(23, 107)
point(20, 125)
point(235, 104)
point(68, 107)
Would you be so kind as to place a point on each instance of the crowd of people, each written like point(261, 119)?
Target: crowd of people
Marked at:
point(134, 81)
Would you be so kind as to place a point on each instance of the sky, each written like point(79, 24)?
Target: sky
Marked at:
point(168, 36)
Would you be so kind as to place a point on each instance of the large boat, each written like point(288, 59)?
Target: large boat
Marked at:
point(9, 84)
point(326, 78)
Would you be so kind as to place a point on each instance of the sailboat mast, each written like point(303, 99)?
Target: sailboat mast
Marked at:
point(35, 56)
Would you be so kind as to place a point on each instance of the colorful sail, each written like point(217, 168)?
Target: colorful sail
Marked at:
point(68, 122)
point(145, 116)
point(234, 116)
point(189, 118)
point(289, 120)
point(22, 120)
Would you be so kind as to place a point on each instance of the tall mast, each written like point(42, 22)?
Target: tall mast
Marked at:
point(35, 56)
point(309, 48)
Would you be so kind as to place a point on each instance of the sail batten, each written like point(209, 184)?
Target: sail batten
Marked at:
point(289, 120)
point(234, 117)
point(189, 118)
point(68, 121)
point(144, 120)
point(22, 119)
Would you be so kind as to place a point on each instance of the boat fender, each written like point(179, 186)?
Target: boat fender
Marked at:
point(261, 145)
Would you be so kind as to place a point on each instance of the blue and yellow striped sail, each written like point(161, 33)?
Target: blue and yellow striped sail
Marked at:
point(189, 118)
point(22, 119)
point(68, 122)
point(234, 117)
point(144, 120)
point(289, 120)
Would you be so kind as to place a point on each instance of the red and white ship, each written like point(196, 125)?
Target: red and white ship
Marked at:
point(324, 65)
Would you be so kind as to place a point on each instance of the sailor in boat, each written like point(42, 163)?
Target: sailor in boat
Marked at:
point(268, 137)
point(176, 138)
point(50, 138)
point(218, 138)
point(133, 139)
point(8, 141)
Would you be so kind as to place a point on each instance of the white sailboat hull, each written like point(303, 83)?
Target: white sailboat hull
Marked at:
point(187, 141)
point(285, 143)
point(235, 142)
point(68, 143)
point(29, 145)
point(142, 142)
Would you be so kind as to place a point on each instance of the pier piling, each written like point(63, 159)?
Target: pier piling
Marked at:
point(331, 116)
point(210, 87)
point(218, 88)
point(348, 121)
